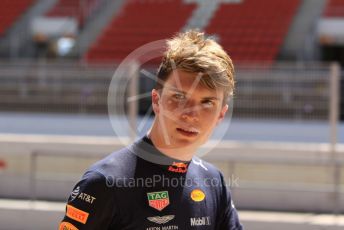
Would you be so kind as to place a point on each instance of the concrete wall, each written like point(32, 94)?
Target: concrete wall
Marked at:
point(268, 176)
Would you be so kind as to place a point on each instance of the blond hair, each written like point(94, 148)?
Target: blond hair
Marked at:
point(192, 52)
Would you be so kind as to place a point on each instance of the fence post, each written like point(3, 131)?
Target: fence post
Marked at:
point(133, 93)
point(334, 117)
point(33, 169)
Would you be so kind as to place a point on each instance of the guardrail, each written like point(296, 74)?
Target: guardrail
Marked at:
point(270, 176)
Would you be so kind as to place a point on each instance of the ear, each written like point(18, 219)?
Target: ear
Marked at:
point(222, 114)
point(155, 101)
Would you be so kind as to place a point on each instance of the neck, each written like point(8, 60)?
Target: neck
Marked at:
point(184, 153)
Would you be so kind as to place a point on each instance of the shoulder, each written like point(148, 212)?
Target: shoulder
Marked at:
point(100, 177)
point(117, 164)
point(205, 168)
point(91, 202)
point(210, 179)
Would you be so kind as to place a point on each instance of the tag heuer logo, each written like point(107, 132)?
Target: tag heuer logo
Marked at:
point(161, 219)
point(158, 200)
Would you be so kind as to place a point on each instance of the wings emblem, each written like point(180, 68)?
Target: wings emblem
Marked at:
point(161, 219)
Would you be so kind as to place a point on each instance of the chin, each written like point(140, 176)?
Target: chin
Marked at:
point(188, 141)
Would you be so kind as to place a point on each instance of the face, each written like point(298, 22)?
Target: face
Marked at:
point(186, 111)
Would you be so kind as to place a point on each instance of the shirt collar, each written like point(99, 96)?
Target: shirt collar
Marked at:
point(145, 149)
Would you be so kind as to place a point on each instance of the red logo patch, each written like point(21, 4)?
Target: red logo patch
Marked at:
point(76, 214)
point(67, 226)
point(158, 200)
point(178, 167)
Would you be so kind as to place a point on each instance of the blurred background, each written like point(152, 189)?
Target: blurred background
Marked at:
point(281, 149)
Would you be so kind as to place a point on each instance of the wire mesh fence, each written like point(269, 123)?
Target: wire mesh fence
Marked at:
point(282, 91)
point(288, 91)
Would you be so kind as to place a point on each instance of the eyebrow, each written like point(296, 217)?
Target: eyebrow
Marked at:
point(211, 98)
point(183, 92)
point(176, 89)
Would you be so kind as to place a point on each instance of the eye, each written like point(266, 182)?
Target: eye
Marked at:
point(179, 96)
point(208, 104)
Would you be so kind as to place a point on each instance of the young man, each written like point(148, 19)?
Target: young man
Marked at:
point(157, 182)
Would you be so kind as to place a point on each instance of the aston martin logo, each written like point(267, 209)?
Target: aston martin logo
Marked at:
point(161, 219)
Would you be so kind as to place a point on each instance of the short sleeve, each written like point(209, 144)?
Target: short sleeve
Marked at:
point(90, 204)
point(229, 219)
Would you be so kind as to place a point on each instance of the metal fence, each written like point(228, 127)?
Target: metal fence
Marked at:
point(54, 87)
point(288, 91)
point(281, 91)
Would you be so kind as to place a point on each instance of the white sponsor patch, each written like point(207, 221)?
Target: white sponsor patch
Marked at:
point(75, 193)
point(200, 221)
point(170, 227)
point(161, 219)
point(87, 198)
point(82, 196)
point(199, 163)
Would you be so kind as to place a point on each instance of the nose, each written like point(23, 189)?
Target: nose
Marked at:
point(190, 111)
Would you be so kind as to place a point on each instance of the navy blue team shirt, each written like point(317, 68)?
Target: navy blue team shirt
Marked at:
point(138, 187)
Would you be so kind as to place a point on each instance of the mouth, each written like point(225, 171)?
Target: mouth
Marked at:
point(190, 132)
